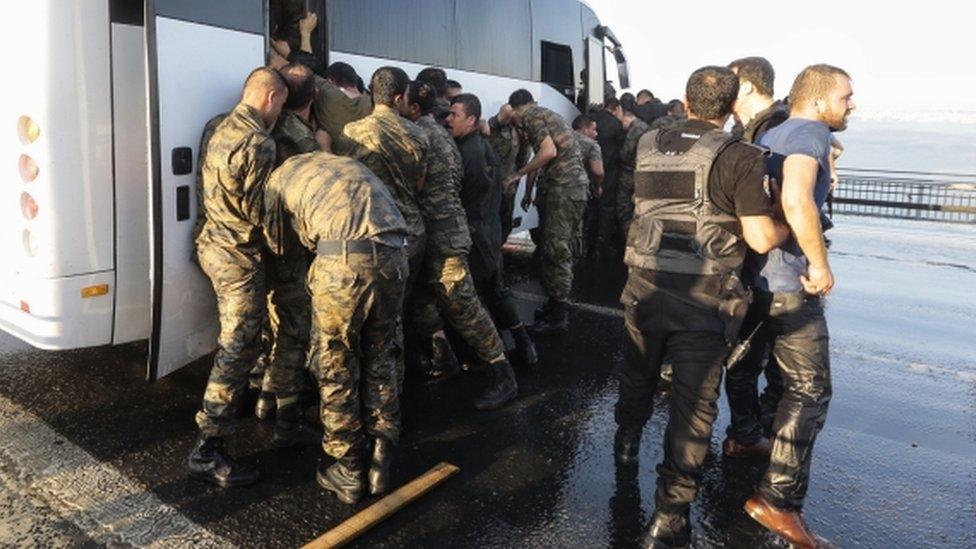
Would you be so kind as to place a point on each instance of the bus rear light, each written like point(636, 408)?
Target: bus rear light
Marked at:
point(94, 291)
point(27, 130)
point(28, 168)
point(30, 245)
point(24, 306)
point(28, 206)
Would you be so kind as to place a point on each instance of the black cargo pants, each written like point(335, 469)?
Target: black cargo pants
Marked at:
point(660, 324)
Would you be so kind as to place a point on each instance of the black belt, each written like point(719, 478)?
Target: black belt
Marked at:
point(339, 247)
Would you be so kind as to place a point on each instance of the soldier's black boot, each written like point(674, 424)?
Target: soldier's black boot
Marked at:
point(668, 531)
point(443, 363)
point(626, 445)
point(379, 467)
point(290, 429)
point(524, 346)
point(344, 478)
point(265, 407)
point(555, 322)
point(503, 388)
point(208, 462)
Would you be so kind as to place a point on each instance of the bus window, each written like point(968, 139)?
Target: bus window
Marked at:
point(557, 68)
point(420, 31)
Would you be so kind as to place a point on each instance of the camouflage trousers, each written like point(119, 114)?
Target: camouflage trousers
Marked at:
point(448, 289)
point(561, 239)
point(289, 313)
point(239, 282)
point(625, 200)
point(356, 344)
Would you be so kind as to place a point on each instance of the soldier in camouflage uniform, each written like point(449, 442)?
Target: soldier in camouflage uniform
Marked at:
point(437, 79)
point(448, 277)
point(395, 150)
point(565, 184)
point(586, 133)
point(513, 152)
point(239, 157)
point(634, 128)
point(350, 219)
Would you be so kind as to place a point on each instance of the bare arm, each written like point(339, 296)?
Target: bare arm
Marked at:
point(305, 27)
point(324, 140)
point(763, 233)
point(529, 187)
point(547, 151)
point(596, 175)
point(803, 217)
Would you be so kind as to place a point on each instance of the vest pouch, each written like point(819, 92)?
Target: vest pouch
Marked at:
point(645, 234)
point(733, 306)
point(722, 249)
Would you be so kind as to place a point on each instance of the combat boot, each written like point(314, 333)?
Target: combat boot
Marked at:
point(290, 429)
point(379, 467)
point(555, 322)
point(443, 363)
point(524, 347)
point(264, 408)
point(344, 478)
point(210, 463)
point(626, 445)
point(668, 531)
point(503, 388)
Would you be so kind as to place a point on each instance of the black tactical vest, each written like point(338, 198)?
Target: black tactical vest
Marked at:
point(676, 228)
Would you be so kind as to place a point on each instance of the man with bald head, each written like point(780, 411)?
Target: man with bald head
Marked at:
point(239, 157)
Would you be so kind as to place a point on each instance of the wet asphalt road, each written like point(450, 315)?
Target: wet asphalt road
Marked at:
point(894, 467)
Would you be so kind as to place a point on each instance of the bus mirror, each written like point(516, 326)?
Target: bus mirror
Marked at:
point(623, 73)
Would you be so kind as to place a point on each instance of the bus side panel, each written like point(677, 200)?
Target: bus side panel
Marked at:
point(63, 84)
point(132, 310)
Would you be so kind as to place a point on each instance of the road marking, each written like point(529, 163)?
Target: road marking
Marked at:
point(104, 504)
point(598, 309)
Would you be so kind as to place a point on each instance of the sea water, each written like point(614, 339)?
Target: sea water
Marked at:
point(914, 146)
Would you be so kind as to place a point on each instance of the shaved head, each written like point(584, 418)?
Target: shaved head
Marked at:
point(265, 91)
point(301, 85)
point(263, 80)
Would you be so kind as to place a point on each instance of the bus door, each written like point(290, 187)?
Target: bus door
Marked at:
point(198, 56)
point(595, 74)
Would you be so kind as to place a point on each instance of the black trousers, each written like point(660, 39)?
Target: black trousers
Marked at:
point(661, 325)
point(487, 272)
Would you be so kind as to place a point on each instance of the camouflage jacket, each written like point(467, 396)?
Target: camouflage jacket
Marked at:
point(589, 149)
point(440, 198)
point(566, 170)
point(394, 149)
point(239, 157)
point(325, 197)
point(293, 127)
point(333, 109)
point(510, 147)
point(628, 152)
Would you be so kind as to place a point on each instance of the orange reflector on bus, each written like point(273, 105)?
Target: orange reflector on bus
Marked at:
point(28, 168)
point(94, 291)
point(27, 130)
point(28, 206)
point(24, 306)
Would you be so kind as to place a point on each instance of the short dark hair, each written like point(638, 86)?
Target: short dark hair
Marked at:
point(646, 92)
point(628, 102)
point(436, 77)
point(711, 91)
point(757, 71)
point(582, 121)
point(301, 85)
point(519, 98)
point(423, 95)
point(454, 84)
point(472, 105)
point(386, 83)
point(342, 73)
point(307, 59)
point(611, 103)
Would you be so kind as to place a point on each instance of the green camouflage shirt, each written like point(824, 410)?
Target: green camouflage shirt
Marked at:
point(295, 128)
point(589, 149)
point(628, 152)
point(440, 199)
point(395, 149)
point(510, 147)
point(239, 157)
point(333, 109)
point(327, 197)
point(566, 170)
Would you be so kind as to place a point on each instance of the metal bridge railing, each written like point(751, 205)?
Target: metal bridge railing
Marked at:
point(907, 195)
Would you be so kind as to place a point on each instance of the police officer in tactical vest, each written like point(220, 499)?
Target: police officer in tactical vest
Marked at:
point(700, 200)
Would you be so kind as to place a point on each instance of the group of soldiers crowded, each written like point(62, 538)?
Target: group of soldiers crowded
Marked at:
point(345, 220)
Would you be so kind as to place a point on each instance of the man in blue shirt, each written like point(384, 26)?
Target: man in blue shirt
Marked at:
point(789, 285)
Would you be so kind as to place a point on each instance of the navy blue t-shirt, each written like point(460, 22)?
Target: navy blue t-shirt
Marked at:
point(780, 269)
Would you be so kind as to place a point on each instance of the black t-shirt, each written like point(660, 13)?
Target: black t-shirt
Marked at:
point(736, 184)
point(610, 137)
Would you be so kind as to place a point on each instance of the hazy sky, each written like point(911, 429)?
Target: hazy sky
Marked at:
point(902, 55)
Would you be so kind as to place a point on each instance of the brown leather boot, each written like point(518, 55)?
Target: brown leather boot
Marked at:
point(731, 448)
point(786, 523)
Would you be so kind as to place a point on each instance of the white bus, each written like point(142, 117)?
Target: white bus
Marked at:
point(105, 104)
